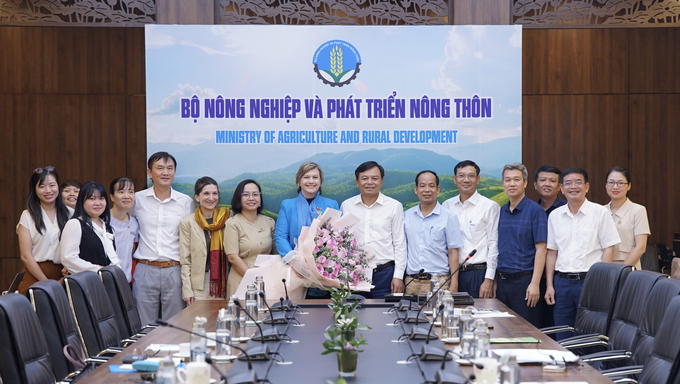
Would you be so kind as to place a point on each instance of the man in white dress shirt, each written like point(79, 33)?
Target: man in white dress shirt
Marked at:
point(382, 227)
point(580, 234)
point(157, 278)
point(478, 218)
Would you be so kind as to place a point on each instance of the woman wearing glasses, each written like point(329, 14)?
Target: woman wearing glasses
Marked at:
point(40, 226)
point(301, 211)
point(87, 239)
point(201, 245)
point(248, 233)
point(630, 218)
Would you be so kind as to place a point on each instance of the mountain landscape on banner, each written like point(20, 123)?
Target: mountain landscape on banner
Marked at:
point(401, 167)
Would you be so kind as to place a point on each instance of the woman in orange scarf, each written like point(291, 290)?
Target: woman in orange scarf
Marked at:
point(201, 248)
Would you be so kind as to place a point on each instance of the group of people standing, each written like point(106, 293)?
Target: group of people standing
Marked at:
point(186, 251)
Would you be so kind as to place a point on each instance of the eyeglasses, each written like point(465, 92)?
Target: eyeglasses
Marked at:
point(463, 176)
point(577, 183)
point(612, 183)
point(48, 168)
point(247, 195)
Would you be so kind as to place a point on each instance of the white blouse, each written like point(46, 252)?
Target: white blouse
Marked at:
point(70, 247)
point(46, 245)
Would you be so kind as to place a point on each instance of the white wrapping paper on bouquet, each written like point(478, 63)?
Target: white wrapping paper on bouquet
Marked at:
point(273, 269)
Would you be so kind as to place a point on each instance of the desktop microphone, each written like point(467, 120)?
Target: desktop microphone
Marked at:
point(417, 333)
point(405, 304)
point(286, 305)
point(256, 352)
point(443, 377)
point(428, 352)
point(272, 334)
point(274, 318)
point(249, 377)
point(223, 377)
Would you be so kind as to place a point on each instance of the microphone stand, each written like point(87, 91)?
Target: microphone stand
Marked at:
point(406, 303)
point(443, 377)
point(249, 377)
point(272, 334)
point(256, 353)
point(223, 377)
point(417, 333)
point(286, 305)
point(427, 352)
point(274, 318)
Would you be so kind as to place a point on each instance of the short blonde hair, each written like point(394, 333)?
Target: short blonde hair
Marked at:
point(304, 168)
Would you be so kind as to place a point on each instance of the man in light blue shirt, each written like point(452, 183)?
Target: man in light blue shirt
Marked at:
point(432, 237)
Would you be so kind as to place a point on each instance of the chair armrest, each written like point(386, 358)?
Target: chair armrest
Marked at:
point(98, 360)
point(592, 342)
point(556, 329)
point(622, 371)
point(620, 354)
point(580, 338)
point(625, 380)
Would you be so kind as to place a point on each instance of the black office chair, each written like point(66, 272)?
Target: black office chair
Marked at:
point(666, 256)
point(626, 318)
point(51, 305)
point(600, 291)
point(94, 315)
point(650, 259)
point(24, 358)
point(662, 360)
point(123, 303)
point(653, 313)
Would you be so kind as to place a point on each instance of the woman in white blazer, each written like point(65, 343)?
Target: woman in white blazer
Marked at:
point(201, 247)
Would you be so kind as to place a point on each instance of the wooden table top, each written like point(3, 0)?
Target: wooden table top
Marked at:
point(503, 327)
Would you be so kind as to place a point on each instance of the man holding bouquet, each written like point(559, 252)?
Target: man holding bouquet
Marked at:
point(381, 226)
point(432, 237)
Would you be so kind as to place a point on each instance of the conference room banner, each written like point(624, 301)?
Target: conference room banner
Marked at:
point(236, 102)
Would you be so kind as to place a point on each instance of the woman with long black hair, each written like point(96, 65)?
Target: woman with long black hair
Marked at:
point(40, 226)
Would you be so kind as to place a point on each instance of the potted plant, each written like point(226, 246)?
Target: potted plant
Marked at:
point(347, 350)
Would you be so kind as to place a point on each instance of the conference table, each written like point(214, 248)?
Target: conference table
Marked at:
point(380, 359)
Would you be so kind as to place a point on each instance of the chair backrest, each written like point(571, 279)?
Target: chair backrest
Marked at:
point(24, 358)
point(94, 315)
point(628, 313)
point(120, 295)
point(663, 292)
point(650, 259)
point(51, 305)
point(598, 297)
point(665, 349)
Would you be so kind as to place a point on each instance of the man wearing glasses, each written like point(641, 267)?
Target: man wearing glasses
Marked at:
point(580, 234)
point(159, 209)
point(478, 222)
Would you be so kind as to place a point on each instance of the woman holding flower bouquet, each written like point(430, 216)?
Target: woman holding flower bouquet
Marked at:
point(248, 233)
point(301, 211)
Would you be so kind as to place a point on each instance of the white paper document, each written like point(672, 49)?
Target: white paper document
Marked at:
point(527, 356)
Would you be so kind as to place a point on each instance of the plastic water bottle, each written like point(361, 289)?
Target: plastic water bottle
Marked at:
point(509, 369)
point(251, 309)
point(198, 344)
point(482, 340)
point(222, 334)
point(166, 372)
point(259, 285)
point(467, 338)
point(446, 314)
point(234, 327)
point(433, 303)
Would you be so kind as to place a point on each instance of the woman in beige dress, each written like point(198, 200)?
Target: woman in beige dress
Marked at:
point(248, 233)
point(630, 218)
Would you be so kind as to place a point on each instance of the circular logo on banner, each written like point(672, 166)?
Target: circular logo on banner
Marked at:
point(336, 63)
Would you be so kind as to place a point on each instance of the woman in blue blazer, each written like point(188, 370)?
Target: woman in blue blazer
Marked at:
point(301, 211)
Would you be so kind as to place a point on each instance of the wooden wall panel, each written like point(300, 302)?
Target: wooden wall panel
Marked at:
point(655, 60)
point(654, 165)
point(586, 131)
point(575, 61)
point(71, 97)
point(185, 12)
point(482, 12)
